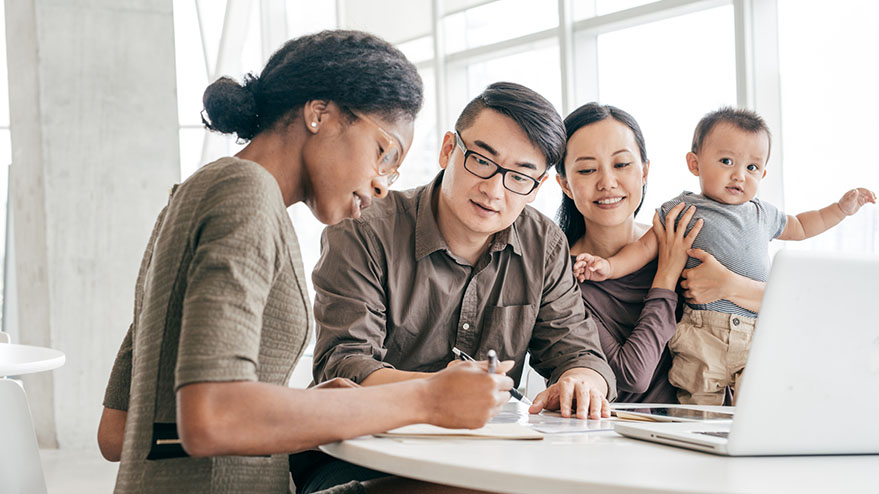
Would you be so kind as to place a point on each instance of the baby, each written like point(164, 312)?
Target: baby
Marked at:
point(729, 154)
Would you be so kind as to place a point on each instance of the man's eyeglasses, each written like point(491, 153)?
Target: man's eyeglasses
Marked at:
point(392, 153)
point(485, 168)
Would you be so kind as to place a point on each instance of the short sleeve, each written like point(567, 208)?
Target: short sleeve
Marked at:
point(349, 304)
point(668, 205)
point(119, 387)
point(235, 243)
point(565, 335)
point(775, 220)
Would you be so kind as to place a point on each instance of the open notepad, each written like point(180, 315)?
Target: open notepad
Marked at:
point(490, 431)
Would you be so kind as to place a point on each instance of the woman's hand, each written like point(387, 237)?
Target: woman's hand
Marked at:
point(673, 245)
point(712, 281)
point(466, 396)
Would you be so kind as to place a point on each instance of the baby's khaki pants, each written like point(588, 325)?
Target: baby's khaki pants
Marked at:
point(710, 350)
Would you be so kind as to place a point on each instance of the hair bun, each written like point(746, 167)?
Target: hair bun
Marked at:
point(231, 107)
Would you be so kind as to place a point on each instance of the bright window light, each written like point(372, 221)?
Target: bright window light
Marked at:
point(829, 105)
point(498, 21)
point(668, 81)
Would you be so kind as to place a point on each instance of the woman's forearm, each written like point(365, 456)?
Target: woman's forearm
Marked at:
point(634, 360)
point(111, 432)
point(253, 418)
point(710, 281)
point(746, 293)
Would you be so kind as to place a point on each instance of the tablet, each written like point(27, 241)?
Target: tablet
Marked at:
point(669, 414)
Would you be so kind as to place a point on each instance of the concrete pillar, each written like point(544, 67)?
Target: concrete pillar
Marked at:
point(94, 150)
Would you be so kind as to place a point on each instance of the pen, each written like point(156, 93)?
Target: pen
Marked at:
point(513, 391)
point(492, 361)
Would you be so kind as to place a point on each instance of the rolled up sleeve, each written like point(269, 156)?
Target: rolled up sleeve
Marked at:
point(635, 359)
point(349, 307)
point(565, 335)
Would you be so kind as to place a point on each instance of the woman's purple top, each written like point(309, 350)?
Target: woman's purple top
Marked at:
point(635, 323)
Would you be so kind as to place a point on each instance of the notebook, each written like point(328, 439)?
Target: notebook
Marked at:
point(490, 431)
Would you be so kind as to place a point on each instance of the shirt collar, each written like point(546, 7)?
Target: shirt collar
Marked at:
point(429, 239)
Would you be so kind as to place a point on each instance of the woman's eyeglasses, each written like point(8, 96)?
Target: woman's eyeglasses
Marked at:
point(392, 153)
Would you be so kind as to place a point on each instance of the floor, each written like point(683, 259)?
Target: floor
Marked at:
point(77, 472)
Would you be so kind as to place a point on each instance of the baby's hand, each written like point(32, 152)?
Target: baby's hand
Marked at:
point(593, 268)
point(852, 201)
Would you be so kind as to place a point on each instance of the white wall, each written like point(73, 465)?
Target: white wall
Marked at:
point(94, 150)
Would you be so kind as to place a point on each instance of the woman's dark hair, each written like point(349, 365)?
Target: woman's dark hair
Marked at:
point(355, 70)
point(569, 217)
point(534, 114)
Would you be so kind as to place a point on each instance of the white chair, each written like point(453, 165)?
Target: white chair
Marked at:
point(20, 468)
point(533, 383)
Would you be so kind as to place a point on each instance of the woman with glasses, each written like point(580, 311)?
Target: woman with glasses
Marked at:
point(197, 399)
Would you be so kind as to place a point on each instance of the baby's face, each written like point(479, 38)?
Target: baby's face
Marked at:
point(731, 163)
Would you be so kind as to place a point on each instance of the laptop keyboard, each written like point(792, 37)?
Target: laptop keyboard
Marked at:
point(724, 434)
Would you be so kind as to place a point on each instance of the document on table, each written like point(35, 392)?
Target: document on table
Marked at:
point(553, 423)
point(548, 422)
point(490, 431)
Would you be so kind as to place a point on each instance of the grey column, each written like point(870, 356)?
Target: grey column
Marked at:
point(94, 150)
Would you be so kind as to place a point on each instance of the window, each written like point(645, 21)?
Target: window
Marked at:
point(218, 38)
point(497, 21)
point(667, 62)
point(828, 106)
point(584, 9)
point(422, 163)
point(667, 82)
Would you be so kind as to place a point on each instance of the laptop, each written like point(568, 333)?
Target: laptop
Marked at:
point(811, 384)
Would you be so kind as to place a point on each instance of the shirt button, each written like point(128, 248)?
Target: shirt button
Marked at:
point(735, 321)
point(466, 326)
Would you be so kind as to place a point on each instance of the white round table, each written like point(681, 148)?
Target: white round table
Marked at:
point(16, 360)
point(605, 462)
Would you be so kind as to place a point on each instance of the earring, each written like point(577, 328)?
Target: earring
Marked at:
point(313, 125)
